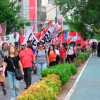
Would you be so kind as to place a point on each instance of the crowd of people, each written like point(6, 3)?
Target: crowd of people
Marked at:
point(28, 59)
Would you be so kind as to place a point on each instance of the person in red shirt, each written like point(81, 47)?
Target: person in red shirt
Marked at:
point(26, 57)
point(52, 56)
point(62, 53)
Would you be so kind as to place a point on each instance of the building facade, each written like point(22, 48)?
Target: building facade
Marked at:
point(28, 9)
point(33, 11)
point(52, 10)
point(38, 11)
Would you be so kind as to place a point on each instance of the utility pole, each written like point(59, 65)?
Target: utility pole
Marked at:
point(56, 14)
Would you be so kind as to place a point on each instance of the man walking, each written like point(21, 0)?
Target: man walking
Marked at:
point(26, 58)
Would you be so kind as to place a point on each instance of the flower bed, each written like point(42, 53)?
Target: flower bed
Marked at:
point(49, 86)
point(63, 70)
point(46, 89)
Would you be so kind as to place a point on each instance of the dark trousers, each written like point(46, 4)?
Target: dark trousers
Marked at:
point(70, 58)
point(57, 59)
point(52, 63)
point(3, 88)
point(62, 60)
point(27, 76)
point(98, 52)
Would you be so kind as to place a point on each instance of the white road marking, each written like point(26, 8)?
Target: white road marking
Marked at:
point(68, 96)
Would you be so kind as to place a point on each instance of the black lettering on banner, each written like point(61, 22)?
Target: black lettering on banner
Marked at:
point(34, 42)
point(46, 37)
point(7, 38)
point(43, 41)
point(29, 36)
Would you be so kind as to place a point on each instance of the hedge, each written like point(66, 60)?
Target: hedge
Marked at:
point(81, 58)
point(63, 70)
point(46, 89)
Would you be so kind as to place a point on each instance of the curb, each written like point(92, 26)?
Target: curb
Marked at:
point(68, 96)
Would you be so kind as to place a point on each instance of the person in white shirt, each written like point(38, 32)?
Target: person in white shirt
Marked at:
point(70, 54)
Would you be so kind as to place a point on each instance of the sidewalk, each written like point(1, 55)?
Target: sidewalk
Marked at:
point(35, 78)
point(88, 87)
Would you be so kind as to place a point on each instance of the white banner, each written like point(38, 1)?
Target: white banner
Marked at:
point(11, 38)
point(51, 33)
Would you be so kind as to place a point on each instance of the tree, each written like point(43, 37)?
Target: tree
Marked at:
point(91, 15)
point(84, 15)
point(9, 14)
point(71, 9)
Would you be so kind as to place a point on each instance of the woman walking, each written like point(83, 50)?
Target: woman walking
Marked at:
point(13, 63)
point(52, 56)
point(62, 51)
point(41, 59)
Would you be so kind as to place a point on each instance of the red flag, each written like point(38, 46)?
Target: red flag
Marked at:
point(21, 39)
point(72, 34)
point(32, 10)
point(79, 39)
point(71, 37)
point(61, 38)
point(38, 34)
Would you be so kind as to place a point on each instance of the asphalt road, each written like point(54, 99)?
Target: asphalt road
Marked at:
point(88, 87)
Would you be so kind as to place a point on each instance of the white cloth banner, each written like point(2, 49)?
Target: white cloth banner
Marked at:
point(11, 38)
point(28, 32)
point(29, 35)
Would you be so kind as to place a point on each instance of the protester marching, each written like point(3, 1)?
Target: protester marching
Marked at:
point(21, 54)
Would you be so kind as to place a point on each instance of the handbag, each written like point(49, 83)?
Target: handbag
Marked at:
point(2, 79)
point(18, 73)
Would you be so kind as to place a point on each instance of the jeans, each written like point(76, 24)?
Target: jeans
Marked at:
point(13, 84)
point(40, 68)
point(27, 76)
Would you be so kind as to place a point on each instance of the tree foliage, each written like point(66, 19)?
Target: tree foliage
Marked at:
point(9, 14)
point(84, 15)
point(91, 15)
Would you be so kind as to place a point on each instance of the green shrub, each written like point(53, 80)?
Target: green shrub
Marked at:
point(81, 58)
point(73, 69)
point(46, 89)
point(63, 70)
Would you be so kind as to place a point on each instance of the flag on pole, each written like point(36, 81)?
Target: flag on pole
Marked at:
point(2, 30)
point(71, 37)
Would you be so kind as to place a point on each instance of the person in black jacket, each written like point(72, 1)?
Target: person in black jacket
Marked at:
point(98, 49)
point(94, 48)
